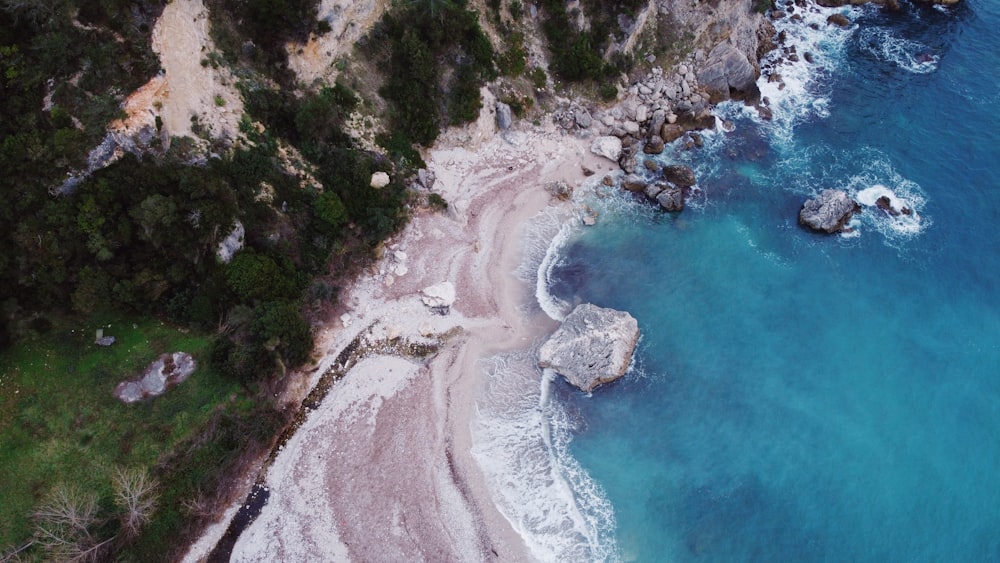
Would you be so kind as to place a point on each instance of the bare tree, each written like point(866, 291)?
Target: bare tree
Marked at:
point(135, 494)
point(64, 523)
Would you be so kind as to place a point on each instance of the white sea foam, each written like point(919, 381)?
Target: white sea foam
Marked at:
point(802, 93)
point(521, 441)
point(909, 55)
point(876, 179)
point(545, 237)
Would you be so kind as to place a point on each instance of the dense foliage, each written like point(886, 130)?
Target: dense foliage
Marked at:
point(437, 58)
point(577, 55)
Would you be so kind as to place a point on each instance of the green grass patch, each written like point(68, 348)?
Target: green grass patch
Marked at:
point(61, 424)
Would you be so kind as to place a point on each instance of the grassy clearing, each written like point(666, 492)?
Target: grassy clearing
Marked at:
point(60, 423)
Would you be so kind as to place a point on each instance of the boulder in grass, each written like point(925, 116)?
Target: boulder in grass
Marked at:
point(593, 346)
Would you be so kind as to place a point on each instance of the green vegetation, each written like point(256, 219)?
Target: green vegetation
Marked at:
point(61, 428)
point(420, 43)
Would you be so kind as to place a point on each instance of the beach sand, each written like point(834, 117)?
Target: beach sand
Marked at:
point(381, 470)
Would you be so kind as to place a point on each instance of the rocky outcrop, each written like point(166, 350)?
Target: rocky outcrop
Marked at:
point(728, 73)
point(593, 346)
point(504, 116)
point(829, 212)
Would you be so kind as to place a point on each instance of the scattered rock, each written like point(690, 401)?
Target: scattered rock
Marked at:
point(651, 165)
point(634, 183)
point(653, 146)
point(609, 147)
point(671, 198)
point(439, 297)
point(583, 119)
point(593, 346)
point(379, 180)
point(560, 190)
point(829, 212)
point(671, 132)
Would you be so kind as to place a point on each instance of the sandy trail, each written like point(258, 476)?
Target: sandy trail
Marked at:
point(186, 88)
point(382, 470)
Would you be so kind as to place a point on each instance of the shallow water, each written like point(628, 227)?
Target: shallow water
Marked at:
point(813, 398)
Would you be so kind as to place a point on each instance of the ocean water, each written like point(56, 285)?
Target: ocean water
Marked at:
point(794, 397)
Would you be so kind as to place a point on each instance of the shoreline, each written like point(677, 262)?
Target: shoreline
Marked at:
point(383, 466)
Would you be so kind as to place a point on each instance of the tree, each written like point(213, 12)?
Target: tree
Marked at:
point(281, 330)
point(65, 521)
point(254, 276)
point(135, 495)
point(330, 210)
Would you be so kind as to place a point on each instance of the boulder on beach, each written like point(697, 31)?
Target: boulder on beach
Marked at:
point(607, 146)
point(593, 346)
point(439, 297)
point(829, 212)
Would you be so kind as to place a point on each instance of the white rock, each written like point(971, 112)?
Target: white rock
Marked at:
point(438, 296)
point(594, 345)
point(380, 180)
point(607, 146)
point(231, 244)
point(345, 319)
point(632, 127)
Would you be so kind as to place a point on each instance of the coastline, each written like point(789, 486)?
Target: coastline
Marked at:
point(383, 466)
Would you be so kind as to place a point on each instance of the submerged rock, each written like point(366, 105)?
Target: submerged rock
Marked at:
point(593, 346)
point(829, 212)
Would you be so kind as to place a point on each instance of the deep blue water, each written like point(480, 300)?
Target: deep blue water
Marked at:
point(799, 397)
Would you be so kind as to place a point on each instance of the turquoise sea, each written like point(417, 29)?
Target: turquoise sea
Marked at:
point(794, 397)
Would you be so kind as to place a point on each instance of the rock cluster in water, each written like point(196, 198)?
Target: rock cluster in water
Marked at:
point(829, 212)
point(593, 346)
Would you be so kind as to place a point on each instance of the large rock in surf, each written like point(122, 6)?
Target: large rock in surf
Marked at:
point(594, 345)
point(679, 175)
point(609, 147)
point(829, 212)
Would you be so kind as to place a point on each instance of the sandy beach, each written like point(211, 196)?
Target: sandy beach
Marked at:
point(382, 469)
